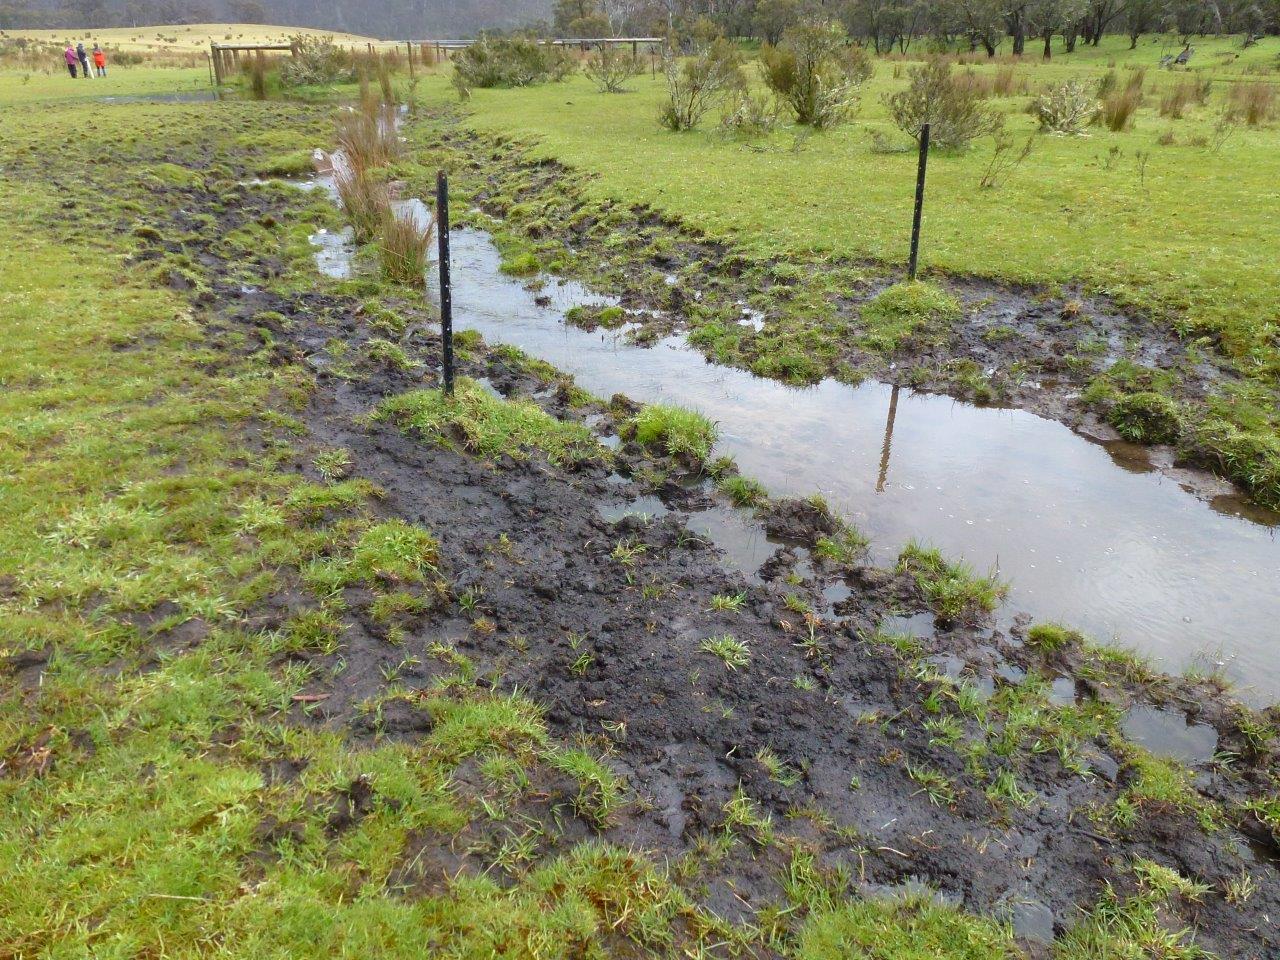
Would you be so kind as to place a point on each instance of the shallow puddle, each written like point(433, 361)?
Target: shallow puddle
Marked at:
point(1169, 734)
point(1118, 550)
point(1087, 534)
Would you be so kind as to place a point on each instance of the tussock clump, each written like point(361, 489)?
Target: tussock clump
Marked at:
point(680, 432)
point(365, 201)
point(1119, 106)
point(402, 248)
point(1146, 418)
point(368, 139)
point(1254, 103)
point(907, 311)
point(951, 588)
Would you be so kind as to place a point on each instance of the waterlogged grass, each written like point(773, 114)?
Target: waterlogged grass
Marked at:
point(912, 311)
point(908, 928)
point(951, 588)
point(679, 432)
point(488, 426)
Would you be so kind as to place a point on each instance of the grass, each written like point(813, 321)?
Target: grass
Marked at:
point(674, 430)
point(914, 927)
point(951, 588)
point(734, 652)
point(907, 312)
point(488, 426)
point(402, 249)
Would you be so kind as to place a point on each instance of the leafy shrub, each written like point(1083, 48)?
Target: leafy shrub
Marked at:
point(610, 68)
point(1067, 107)
point(1146, 418)
point(749, 116)
point(695, 85)
point(956, 115)
point(317, 60)
point(815, 70)
point(510, 62)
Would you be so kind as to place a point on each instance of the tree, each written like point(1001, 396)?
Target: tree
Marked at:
point(980, 21)
point(774, 16)
point(1051, 16)
point(1143, 16)
point(248, 11)
point(580, 18)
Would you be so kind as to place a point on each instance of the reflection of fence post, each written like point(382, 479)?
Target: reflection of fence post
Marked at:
point(915, 220)
point(887, 447)
point(446, 290)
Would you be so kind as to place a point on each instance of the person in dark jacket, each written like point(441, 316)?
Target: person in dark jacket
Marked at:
point(70, 55)
point(83, 56)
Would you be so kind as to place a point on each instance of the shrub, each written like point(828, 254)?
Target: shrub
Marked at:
point(956, 115)
point(1066, 108)
point(697, 84)
point(1254, 103)
point(1146, 418)
point(749, 116)
point(316, 60)
point(402, 248)
point(815, 71)
point(610, 68)
point(510, 62)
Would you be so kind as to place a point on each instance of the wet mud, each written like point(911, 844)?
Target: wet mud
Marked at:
point(824, 726)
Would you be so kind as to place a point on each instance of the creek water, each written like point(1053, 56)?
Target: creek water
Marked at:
point(1087, 534)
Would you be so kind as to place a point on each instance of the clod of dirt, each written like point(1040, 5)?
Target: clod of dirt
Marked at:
point(802, 521)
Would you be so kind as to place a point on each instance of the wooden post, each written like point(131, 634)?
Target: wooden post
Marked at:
point(410, 46)
point(915, 219)
point(215, 55)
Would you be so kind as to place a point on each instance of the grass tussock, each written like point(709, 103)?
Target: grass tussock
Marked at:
point(1119, 108)
point(403, 243)
point(907, 928)
point(488, 426)
point(1254, 103)
point(368, 137)
point(365, 202)
point(906, 312)
point(679, 432)
point(951, 588)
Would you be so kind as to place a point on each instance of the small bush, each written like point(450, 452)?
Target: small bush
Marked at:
point(956, 115)
point(749, 117)
point(680, 432)
point(318, 60)
point(697, 84)
point(1254, 103)
point(816, 70)
point(610, 69)
point(1146, 418)
point(1066, 108)
point(510, 62)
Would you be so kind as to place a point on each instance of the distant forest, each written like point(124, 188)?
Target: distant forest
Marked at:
point(884, 24)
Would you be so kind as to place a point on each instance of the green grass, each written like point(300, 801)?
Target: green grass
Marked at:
point(734, 652)
point(674, 430)
point(488, 426)
point(906, 312)
point(907, 928)
point(951, 588)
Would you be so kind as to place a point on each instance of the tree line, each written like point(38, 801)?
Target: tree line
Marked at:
point(900, 25)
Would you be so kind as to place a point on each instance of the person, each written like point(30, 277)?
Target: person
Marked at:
point(99, 62)
point(83, 56)
point(70, 55)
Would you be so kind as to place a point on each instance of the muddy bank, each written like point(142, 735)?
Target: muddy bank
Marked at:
point(1061, 353)
point(868, 735)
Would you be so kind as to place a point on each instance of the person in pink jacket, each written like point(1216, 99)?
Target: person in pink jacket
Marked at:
point(72, 59)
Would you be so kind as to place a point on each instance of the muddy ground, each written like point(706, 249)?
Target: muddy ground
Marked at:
point(840, 708)
point(823, 727)
point(1060, 352)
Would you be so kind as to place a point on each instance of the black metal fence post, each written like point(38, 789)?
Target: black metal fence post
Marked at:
point(915, 220)
point(446, 291)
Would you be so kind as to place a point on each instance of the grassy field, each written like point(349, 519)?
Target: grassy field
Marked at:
point(186, 38)
point(193, 570)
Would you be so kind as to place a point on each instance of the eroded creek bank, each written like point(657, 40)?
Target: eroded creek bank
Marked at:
point(988, 768)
